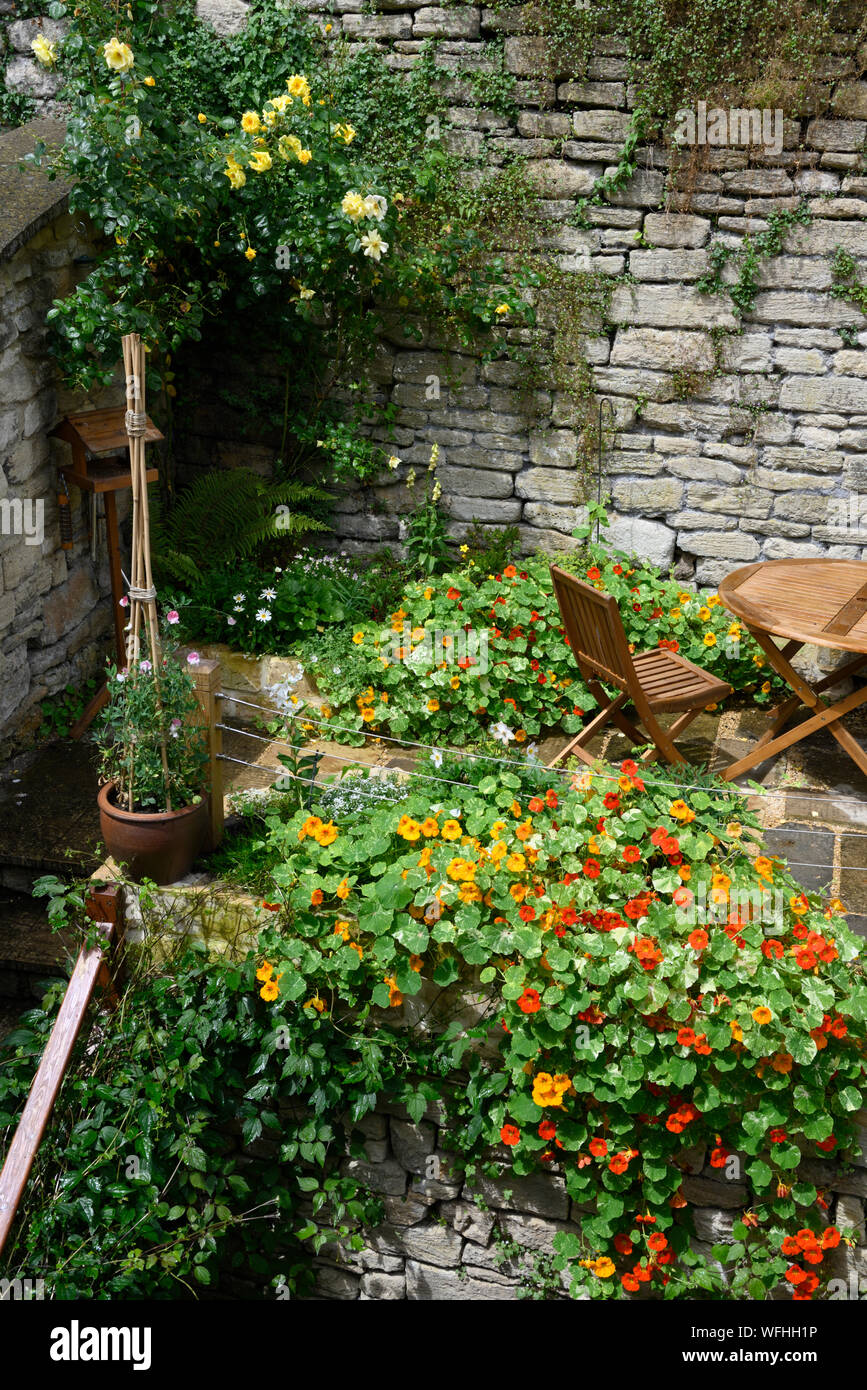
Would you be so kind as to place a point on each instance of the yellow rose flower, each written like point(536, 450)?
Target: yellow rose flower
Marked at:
point(44, 52)
point(260, 160)
point(250, 122)
point(297, 86)
point(118, 56)
point(201, 118)
point(352, 206)
point(150, 82)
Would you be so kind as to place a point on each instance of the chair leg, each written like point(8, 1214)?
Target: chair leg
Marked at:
point(573, 747)
point(663, 740)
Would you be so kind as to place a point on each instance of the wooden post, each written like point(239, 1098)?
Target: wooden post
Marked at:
point(207, 676)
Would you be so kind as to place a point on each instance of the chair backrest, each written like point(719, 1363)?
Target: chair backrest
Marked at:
point(595, 630)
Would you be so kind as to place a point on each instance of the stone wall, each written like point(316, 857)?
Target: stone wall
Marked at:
point(55, 609)
point(710, 469)
point(19, 70)
point(442, 1237)
point(730, 446)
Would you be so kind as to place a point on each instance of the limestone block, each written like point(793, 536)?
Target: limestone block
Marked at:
point(661, 348)
point(659, 495)
point(835, 393)
point(561, 519)
point(549, 485)
point(649, 540)
point(26, 75)
point(676, 229)
point(836, 135)
point(368, 26)
point(412, 1143)
point(502, 512)
point(592, 93)
point(471, 1223)
point(553, 448)
point(728, 546)
point(555, 179)
point(600, 125)
point(433, 1244)
point(388, 1177)
point(382, 1286)
point(426, 1282)
point(669, 306)
point(431, 22)
point(540, 1194)
point(675, 264)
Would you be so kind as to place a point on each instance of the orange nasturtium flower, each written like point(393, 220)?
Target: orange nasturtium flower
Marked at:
point(271, 989)
point(316, 897)
point(265, 971)
point(762, 1014)
point(343, 889)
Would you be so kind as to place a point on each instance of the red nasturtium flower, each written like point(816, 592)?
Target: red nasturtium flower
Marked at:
point(698, 939)
point(530, 1001)
point(622, 1244)
point(657, 1241)
point(631, 853)
point(598, 1148)
point(547, 1130)
point(510, 1134)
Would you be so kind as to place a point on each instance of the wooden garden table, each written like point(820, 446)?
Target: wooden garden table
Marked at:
point(822, 602)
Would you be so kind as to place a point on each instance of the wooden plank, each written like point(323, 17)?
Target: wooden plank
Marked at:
point(103, 906)
point(849, 614)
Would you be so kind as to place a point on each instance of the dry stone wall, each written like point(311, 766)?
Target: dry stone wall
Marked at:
point(444, 1238)
point(55, 609)
point(730, 447)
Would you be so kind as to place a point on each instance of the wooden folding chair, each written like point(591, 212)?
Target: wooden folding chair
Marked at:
point(653, 682)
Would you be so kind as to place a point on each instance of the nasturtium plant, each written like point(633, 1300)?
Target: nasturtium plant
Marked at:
point(467, 654)
point(636, 983)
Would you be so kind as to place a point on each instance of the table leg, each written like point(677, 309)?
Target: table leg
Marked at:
point(824, 717)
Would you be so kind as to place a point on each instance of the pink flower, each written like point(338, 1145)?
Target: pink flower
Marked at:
point(124, 602)
point(145, 666)
point(231, 621)
point(173, 616)
point(193, 658)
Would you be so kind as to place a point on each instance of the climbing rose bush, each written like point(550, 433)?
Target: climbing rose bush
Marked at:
point(643, 986)
point(257, 192)
point(507, 667)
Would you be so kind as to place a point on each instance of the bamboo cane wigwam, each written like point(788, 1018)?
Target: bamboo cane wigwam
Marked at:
point(142, 594)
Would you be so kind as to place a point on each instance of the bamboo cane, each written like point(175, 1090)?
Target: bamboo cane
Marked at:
point(142, 591)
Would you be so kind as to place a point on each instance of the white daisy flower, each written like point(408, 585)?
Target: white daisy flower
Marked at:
point(502, 733)
point(263, 615)
point(436, 758)
point(268, 593)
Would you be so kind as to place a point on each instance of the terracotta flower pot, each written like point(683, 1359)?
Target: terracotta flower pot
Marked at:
point(161, 846)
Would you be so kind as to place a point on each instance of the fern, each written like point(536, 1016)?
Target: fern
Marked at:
point(226, 515)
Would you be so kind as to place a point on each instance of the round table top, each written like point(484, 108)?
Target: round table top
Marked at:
point(818, 601)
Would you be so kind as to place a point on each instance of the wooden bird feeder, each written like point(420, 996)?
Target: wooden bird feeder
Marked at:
point(101, 464)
